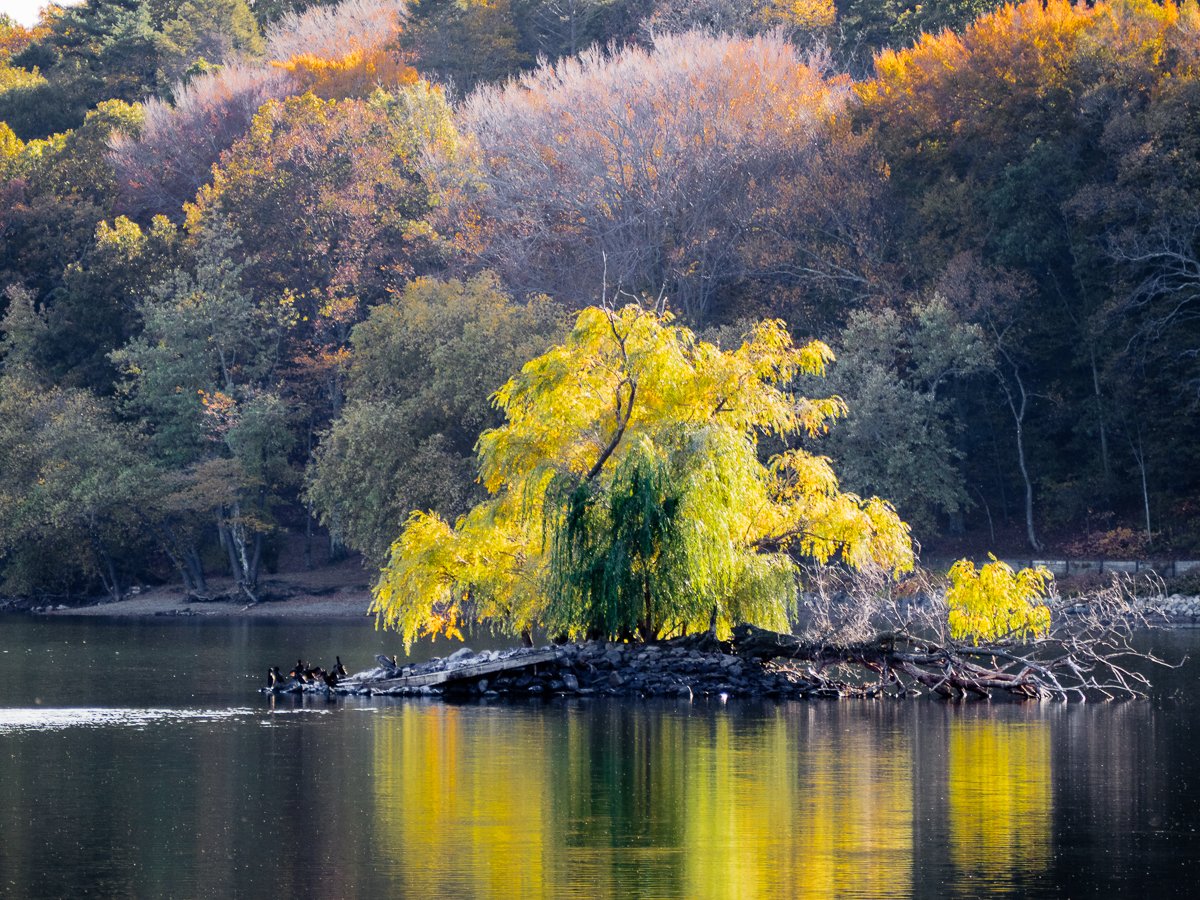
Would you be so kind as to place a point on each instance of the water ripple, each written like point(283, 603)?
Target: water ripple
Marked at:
point(43, 719)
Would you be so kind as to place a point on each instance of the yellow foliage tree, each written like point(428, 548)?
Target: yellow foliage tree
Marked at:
point(627, 494)
point(801, 15)
point(995, 602)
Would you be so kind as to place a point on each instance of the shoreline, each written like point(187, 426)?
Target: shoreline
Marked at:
point(331, 592)
point(342, 592)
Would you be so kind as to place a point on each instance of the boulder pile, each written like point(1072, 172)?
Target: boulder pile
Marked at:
point(694, 666)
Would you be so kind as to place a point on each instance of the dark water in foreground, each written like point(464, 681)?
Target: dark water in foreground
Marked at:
point(137, 761)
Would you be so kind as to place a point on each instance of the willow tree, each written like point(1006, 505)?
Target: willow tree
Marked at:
point(628, 496)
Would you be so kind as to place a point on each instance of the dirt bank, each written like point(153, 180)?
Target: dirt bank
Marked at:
point(331, 592)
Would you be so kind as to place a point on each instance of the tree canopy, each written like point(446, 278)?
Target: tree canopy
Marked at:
point(989, 210)
point(422, 368)
point(627, 493)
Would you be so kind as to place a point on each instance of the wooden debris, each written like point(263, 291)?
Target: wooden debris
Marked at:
point(470, 670)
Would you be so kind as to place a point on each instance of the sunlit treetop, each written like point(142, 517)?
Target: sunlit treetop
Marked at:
point(1017, 66)
point(357, 74)
point(627, 493)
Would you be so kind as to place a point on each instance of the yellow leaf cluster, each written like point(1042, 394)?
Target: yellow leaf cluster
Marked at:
point(995, 603)
point(802, 15)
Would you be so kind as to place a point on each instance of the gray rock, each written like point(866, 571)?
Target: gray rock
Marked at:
point(570, 682)
point(615, 679)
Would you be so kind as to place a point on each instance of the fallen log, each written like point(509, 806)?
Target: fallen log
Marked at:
point(467, 671)
point(1058, 666)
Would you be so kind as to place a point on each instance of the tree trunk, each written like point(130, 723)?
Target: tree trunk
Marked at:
point(107, 572)
point(227, 542)
point(255, 560)
point(1100, 418)
point(308, 507)
point(648, 629)
point(1019, 406)
point(1139, 457)
point(195, 566)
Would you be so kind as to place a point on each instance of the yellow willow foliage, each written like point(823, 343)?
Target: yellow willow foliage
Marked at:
point(357, 74)
point(996, 602)
point(643, 440)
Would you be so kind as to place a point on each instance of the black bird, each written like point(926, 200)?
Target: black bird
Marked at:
point(339, 670)
point(330, 679)
point(271, 682)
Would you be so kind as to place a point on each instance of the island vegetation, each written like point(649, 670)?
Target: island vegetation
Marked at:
point(556, 276)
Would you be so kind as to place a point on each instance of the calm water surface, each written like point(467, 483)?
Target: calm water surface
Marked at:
point(137, 760)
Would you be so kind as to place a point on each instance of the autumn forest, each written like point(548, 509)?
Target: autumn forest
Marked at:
point(264, 264)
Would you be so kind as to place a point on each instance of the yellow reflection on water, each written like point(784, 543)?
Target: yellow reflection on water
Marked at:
point(626, 801)
point(999, 796)
point(799, 812)
point(462, 814)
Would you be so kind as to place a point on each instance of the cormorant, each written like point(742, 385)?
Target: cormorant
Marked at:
point(339, 670)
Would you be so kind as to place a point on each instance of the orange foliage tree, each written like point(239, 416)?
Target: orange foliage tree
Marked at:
point(356, 74)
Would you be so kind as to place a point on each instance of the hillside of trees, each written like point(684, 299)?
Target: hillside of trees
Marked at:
point(263, 263)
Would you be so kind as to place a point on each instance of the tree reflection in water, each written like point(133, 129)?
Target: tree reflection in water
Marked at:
point(999, 798)
point(662, 800)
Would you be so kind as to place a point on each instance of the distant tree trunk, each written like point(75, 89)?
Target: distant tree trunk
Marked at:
point(223, 531)
point(1139, 456)
point(255, 566)
point(183, 555)
point(105, 567)
point(243, 559)
point(987, 509)
point(1019, 406)
point(1100, 417)
point(166, 540)
point(195, 566)
point(308, 507)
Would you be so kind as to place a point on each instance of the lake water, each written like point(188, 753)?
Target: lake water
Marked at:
point(137, 760)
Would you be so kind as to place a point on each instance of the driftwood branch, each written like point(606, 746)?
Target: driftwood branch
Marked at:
point(863, 637)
